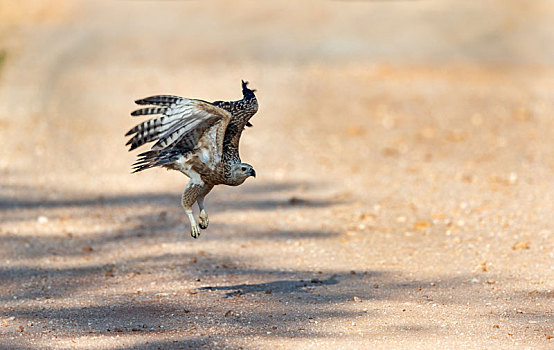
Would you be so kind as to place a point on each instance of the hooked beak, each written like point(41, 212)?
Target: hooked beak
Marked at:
point(252, 172)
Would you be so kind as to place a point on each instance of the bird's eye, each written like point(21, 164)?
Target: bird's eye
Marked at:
point(243, 168)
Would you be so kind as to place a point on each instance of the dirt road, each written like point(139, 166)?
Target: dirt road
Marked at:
point(405, 161)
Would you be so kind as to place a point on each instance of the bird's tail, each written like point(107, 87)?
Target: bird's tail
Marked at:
point(155, 158)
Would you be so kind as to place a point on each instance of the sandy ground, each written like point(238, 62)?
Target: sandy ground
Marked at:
point(405, 161)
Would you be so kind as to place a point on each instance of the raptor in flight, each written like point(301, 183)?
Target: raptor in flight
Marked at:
point(199, 139)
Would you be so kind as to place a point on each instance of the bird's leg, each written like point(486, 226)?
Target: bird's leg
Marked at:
point(203, 217)
point(194, 230)
point(187, 200)
point(193, 192)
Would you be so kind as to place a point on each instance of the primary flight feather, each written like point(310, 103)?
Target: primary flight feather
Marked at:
point(198, 138)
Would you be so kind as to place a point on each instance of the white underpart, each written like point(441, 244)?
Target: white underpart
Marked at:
point(204, 155)
point(207, 147)
point(186, 168)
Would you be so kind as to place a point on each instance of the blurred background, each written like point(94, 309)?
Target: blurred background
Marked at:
point(411, 137)
point(337, 79)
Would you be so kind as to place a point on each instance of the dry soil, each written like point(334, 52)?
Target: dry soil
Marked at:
point(405, 161)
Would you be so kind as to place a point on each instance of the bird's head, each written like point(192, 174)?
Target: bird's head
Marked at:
point(246, 92)
point(240, 172)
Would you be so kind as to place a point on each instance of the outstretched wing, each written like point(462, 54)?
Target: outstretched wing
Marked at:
point(181, 124)
point(184, 126)
point(241, 112)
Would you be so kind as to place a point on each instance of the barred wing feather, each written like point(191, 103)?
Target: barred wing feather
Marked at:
point(185, 124)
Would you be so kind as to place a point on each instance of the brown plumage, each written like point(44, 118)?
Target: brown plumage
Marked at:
point(199, 139)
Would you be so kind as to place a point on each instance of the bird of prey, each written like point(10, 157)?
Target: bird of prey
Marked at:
point(199, 139)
